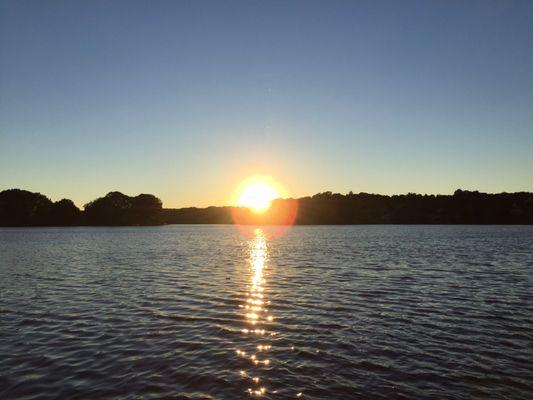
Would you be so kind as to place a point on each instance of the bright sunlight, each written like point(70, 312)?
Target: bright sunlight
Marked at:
point(257, 196)
point(256, 201)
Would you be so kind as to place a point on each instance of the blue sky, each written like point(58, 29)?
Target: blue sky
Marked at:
point(186, 99)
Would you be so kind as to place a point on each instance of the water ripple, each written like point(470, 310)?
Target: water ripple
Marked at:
point(208, 312)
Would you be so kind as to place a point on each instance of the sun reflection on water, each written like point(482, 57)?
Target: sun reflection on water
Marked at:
point(256, 317)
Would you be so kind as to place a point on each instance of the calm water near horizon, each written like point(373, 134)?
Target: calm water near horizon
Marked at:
point(214, 312)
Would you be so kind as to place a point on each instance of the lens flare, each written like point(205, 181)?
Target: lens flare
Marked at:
point(257, 196)
point(260, 201)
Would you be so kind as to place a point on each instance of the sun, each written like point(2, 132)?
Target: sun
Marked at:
point(257, 194)
point(263, 200)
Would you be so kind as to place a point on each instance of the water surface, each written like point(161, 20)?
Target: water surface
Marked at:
point(212, 312)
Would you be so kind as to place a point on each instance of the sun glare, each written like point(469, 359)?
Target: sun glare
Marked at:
point(257, 196)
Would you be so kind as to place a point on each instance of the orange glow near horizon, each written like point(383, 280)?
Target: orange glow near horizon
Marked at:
point(262, 200)
point(257, 193)
point(257, 196)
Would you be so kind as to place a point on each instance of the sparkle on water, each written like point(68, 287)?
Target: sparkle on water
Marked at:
point(257, 315)
point(322, 312)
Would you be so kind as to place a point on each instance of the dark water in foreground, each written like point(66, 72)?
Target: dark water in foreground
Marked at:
point(207, 312)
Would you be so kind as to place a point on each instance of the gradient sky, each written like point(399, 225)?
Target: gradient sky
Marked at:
point(186, 99)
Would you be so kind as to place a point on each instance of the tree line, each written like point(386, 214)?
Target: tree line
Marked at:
point(24, 208)
point(463, 207)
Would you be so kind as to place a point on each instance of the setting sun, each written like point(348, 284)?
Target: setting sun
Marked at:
point(263, 200)
point(257, 196)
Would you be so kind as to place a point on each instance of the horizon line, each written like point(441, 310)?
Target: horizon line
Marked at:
point(82, 206)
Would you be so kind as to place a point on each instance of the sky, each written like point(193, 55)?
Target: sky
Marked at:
point(185, 99)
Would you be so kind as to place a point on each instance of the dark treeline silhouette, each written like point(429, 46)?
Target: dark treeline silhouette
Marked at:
point(194, 215)
point(24, 208)
point(463, 207)
point(118, 209)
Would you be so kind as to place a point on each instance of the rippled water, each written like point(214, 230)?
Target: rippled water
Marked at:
point(212, 312)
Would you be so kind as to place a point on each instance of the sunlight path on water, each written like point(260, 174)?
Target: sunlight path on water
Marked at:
point(257, 318)
point(183, 312)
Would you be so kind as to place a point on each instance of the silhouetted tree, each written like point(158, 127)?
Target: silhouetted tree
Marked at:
point(23, 208)
point(64, 212)
point(146, 210)
point(118, 209)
